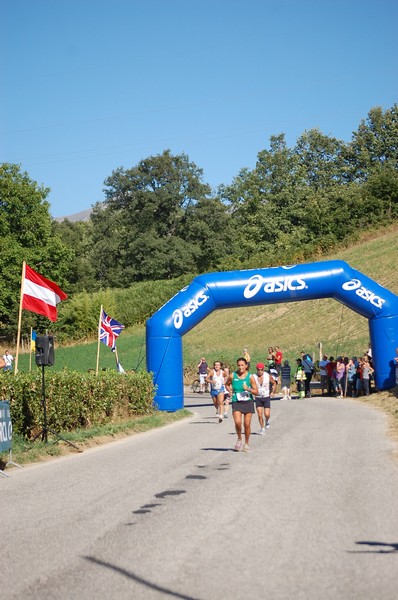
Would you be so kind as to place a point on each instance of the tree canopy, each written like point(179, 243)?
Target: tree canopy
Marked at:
point(159, 220)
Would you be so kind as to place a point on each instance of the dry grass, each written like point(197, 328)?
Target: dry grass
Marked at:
point(386, 401)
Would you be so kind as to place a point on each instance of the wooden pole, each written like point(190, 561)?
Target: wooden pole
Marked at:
point(98, 344)
point(30, 349)
point(20, 317)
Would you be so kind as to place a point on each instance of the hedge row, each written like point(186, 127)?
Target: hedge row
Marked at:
point(75, 400)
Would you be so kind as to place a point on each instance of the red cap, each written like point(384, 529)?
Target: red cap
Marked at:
point(260, 366)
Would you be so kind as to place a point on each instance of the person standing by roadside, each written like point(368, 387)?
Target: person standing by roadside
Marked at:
point(264, 382)
point(308, 367)
point(331, 371)
point(367, 370)
point(216, 379)
point(246, 356)
point(242, 386)
point(278, 360)
point(8, 358)
point(339, 381)
point(203, 369)
point(300, 378)
point(324, 374)
point(286, 374)
point(351, 374)
point(396, 366)
point(270, 356)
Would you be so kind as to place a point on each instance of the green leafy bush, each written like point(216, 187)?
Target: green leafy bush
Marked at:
point(75, 400)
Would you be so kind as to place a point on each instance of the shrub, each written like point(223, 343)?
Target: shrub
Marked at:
point(75, 400)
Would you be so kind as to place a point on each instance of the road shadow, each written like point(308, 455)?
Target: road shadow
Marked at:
point(379, 548)
point(138, 579)
point(219, 449)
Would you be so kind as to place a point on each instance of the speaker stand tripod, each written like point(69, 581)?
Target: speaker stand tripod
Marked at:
point(45, 430)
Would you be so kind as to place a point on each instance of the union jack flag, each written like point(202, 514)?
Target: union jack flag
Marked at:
point(110, 329)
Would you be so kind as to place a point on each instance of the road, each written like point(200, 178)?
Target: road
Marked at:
point(309, 513)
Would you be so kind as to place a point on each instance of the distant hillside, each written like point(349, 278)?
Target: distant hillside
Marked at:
point(83, 215)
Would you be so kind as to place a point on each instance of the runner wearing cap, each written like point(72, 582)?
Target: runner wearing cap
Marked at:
point(263, 401)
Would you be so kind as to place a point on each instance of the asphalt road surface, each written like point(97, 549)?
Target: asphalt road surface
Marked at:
point(311, 512)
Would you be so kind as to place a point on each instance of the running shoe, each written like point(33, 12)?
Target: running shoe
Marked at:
point(220, 419)
point(238, 446)
point(267, 424)
point(262, 431)
point(225, 415)
point(246, 448)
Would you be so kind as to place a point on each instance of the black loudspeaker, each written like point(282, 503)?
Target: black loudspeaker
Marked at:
point(44, 350)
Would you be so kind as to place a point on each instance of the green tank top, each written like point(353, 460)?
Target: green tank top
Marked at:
point(237, 385)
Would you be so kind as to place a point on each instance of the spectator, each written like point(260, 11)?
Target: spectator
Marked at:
point(339, 378)
point(396, 366)
point(8, 358)
point(331, 371)
point(358, 385)
point(367, 370)
point(351, 373)
point(323, 373)
point(271, 356)
point(300, 378)
point(308, 367)
point(286, 380)
point(203, 369)
point(246, 356)
point(278, 359)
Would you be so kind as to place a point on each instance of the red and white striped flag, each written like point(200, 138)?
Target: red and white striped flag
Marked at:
point(40, 295)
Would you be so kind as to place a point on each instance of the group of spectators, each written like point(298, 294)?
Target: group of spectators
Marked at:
point(345, 376)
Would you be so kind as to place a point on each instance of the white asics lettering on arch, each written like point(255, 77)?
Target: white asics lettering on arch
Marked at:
point(188, 309)
point(271, 285)
point(363, 292)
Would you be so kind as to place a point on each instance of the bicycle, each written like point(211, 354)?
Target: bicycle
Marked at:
point(195, 386)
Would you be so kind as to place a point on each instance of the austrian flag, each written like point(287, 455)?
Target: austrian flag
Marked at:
point(40, 295)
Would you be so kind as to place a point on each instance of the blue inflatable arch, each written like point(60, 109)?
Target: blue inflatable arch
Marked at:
point(330, 279)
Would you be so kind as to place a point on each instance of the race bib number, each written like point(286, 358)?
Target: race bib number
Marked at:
point(242, 396)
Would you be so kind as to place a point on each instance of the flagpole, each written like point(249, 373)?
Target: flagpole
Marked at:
point(20, 317)
point(117, 358)
point(30, 349)
point(98, 335)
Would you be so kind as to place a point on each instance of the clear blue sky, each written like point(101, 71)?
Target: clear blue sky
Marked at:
point(88, 86)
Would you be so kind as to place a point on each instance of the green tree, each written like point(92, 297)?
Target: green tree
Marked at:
point(375, 143)
point(77, 236)
point(26, 233)
point(138, 232)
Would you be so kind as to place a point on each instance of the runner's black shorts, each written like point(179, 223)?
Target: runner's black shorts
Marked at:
point(245, 407)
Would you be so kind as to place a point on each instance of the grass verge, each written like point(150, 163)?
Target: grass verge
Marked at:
point(26, 452)
point(388, 402)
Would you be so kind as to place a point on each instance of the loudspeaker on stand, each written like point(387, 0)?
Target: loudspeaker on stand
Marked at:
point(44, 350)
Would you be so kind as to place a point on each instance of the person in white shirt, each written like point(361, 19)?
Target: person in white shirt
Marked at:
point(8, 358)
point(266, 385)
